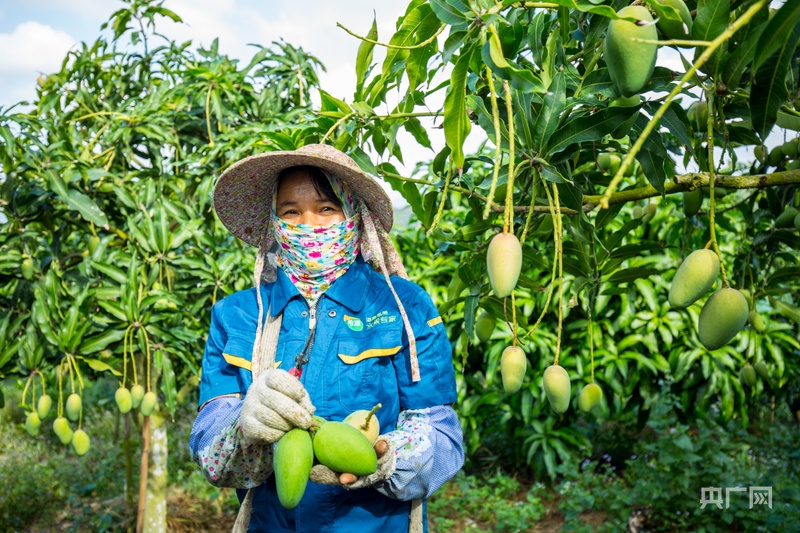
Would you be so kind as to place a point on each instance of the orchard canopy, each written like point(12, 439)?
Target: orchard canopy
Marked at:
point(608, 169)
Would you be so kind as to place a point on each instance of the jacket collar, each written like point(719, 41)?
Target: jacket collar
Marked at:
point(350, 290)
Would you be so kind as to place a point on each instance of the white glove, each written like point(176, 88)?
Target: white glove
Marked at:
point(275, 403)
point(386, 466)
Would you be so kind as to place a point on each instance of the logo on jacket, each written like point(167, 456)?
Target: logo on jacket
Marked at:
point(353, 322)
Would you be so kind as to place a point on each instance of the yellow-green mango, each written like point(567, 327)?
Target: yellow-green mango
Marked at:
point(513, 365)
point(649, 212)
point(484, 326)
point(366, 422)
point(590, 396)
point(760, 152)
point(762, 370)
point(747, 375)
point(675, 29)
point(694, 278)
point(757, 321)
point(786, 219)
point(149, 402)
point(137, 394)
point(637, 211)
point(32, 423)
point(80, 442)
point(630, 64)
point(43, 406)
point(294, 457)
point(73, 407)
point(504, 263)
point(609, 162)
point(557, 387)
point(343, 448)
point(62, 430)
point(123, 399)
point(27, 268)
point(723, 316)
point(692, 202)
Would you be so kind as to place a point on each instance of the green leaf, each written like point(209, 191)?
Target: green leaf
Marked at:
point(111, 271)
point(100, 366)
point(653, 168)
point(364, 58)
point(452, 12)
point(456, 122)
point(587, 128)
point(737, 63)
point(555, 101)
point(631, 274)
point(779, 30)
point(570, 196)
point(99, 342)
point(413, 21)
point(168, 384)
point(769, 89)
point(713, 16)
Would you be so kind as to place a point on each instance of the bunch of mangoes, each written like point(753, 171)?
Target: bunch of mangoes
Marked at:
point(135, 398)
point(786, 155)
point(345, 446)
point(725, 312)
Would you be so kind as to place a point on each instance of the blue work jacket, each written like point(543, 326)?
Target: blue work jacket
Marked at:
point(359, 358)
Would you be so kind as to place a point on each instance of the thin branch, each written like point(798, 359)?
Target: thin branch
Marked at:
point(421, 44)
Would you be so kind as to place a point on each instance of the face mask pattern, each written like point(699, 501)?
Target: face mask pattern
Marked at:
point(315, 256)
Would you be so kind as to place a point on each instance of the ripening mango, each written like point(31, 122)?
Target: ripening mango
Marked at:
point(747, 375)
point(723, 315)
point(62, 430)
point(137, 394)
point(513, 365)
point(484, 326)
point(692, 202)
point(149, 402)
point(32, 423)
point(630, 64)
point(343, 448)
point(73, 407)
point(676, 29)
point(557, 387)
point(43, 406)
point(757, 321)
point(649, 212)
point(590, 396)
point(694, 278)
point(504, 263)
point(123, 399)
point(366, 422)
point(293, 459)
point(80, 442)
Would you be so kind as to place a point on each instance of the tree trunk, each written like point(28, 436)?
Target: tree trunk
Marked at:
point(155, 512)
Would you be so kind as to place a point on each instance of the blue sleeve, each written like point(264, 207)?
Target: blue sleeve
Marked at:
point(218, 378)
point(437, 385)
point(428, 447)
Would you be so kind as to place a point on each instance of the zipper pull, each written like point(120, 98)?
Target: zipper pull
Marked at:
point(312, 318)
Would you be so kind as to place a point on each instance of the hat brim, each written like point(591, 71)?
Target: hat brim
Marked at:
point(243, 193)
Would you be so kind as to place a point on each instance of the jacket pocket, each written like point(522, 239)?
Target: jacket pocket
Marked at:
point(365, 372)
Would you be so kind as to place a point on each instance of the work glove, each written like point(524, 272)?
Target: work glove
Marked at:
point(275, 403)
point(386, 465)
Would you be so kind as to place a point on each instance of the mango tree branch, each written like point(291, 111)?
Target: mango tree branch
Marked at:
point(691, 181)
point(705, 56)
point(421, 44)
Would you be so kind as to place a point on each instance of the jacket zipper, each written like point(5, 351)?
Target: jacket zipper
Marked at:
point(302, 358)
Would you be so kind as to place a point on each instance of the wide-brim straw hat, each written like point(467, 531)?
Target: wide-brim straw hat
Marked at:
point(243, 193)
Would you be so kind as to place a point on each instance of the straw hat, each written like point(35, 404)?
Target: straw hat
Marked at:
point(242, 195)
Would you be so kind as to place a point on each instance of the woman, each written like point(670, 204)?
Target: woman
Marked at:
point(336, 328)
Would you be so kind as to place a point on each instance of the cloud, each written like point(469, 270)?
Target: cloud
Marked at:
point(33, 47)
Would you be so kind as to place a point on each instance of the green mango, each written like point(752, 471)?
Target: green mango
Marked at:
point(761, 153)
point(557, 387)
point(484, 326)
point(292, 462)
point(43, 406)
point(637, 212)
point(590, 396)
point(694, 278)
point(757, 321)
point(504, 263)
point(94, 241)
point(137, 394)
point(27, 268)
point(675, 29)
point(513, 364)
point(609, 162)
point(343, 448)
point(698, 116)
point(793, 165)
point(73, 407)
point(762, 370)
point(723, 316)
point(318, 421)
point(692, 202)
point(32, 423)
point(630, 64)
point(786, 219)
point(789, 148)
point(775, 156)
point(123, 399)
point(149, 402)
point(80, 442)
point(62, 430)
point(747, 375)
point(649, 212)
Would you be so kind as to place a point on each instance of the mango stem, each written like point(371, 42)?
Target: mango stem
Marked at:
point(369, 417)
